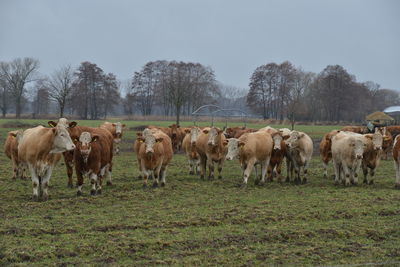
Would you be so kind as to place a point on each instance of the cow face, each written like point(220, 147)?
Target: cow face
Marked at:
point(213, 135)
point(293, 140)
point(194, 134)
point(277, 138)
point(84, 144)
point(62, 141)
point(234, 146)
point(229, 132)
point(62, 122)
point(174, 131)
point(377, 141)
point(149, 141)
point(357, 146)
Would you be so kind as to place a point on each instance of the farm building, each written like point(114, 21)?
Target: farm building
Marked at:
point(379, 118)
point(393, 111)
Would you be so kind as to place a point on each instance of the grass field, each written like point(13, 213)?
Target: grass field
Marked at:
point(194, 222)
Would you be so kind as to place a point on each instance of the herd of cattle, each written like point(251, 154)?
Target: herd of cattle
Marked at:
point(91, 149)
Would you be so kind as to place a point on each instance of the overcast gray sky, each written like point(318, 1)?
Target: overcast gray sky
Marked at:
point(233, 37)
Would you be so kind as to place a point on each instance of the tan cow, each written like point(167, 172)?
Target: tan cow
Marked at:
point(154, 153)
point(211, 149)
point(251, 148)
point(396, 159)
point(387, 142)
point(347, 153)
point(40, 148)
point(11, 151)
point(116, 129)
point(300, 149)
point(372, 155)
point(325, 150)
point(355, 129)
point(92, 158)
point(189, 145)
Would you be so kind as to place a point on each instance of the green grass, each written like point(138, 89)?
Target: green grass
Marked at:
point(194, 222)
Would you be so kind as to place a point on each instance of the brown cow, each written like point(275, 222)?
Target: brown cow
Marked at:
point(372, 155)
point(251, 148)
point(211, 148)
point(325, 150)
point(230, 132)
point(92, 158)
point(40, 148)
point(116, 129)
point(11, 151)
point(239, 132)
point(387, 142)
point(189, 147)
point(75, 131)
point(175, 134)
point(154, 154)
point(355, 129)
point(394, 130)
point(396, 159)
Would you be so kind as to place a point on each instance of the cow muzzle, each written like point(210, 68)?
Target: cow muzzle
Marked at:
point(359, 156)
point(71, 147)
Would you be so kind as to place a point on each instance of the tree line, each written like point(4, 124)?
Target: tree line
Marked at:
point(176, 88)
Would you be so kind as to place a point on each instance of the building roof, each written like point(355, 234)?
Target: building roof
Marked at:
point(379, 115)
point(392, 109)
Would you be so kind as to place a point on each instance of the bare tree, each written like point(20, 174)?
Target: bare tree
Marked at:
point(60, 87)
point(17, 74)
point(4, 96)
point(41, 99)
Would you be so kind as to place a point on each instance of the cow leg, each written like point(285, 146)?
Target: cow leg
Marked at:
point(336, 169)
point(99, 184)
point(210, 164)
point(220, 164)
point(269, 172)
point(279, 172)
point(372, 174)
point(305, 172)
point(109, 174)
point(45, 183)
point(79, 182)
point(140, 176)
point(191, 166)
point(325, 167)
point(14, 167)
point(203, 163)
point(197, 164)
point(264, 167)
point(157, 176)
point(247, 171)
point(397, 166)
point(35, 183)
point(163, 173)
point(93, 182)
point(288, 169)
point(346, 173)
point(365, 173)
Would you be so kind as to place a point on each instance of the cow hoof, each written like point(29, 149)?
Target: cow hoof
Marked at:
point(220, 177)
point(155, 184)
point(93, 192)
point(109, 183)
point(191, 172)
point(79, 193)
point(287, 180)
point(144, 186)
point(371, 182)
point(333, 176)
point(98, 192)
point(365, 181)
point(256, 182)
point(70, 186)
point(202, 177)
point(162, 184)
point(304, 180)
point(243, 185)
point(397, 186)
point(35, 198)
point(45, 197)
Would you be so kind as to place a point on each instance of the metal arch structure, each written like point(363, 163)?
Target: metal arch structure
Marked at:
point(225, 112)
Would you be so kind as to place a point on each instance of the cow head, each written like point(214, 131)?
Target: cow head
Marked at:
point(234, 146)
point(229, 132)
point(84, 144)
point(62, 141)
point(277, 139)
point(194, 134)
point(174, 131)
point(18, 135)
point(62, 122)
point(149, 141)
point(214, 135)
point(357, 146)
point(293, 140)
point(377, 140)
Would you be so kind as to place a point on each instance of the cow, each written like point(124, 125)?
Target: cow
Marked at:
point(92, 158)
point(174, 132)
point(137, 143)
point(211, 149)
point(154, 154)
point(189, 147)
point(40, 148)
point(396, 159)
point(230, 132)
point(355, 129)
point(75, 131)
point(325, 150)
point(387, 142)
point(116, 129)
point(300, 149)
point(394, 130)
point(251, 149)
point(347, 154)
point(11, 151)
point(372, 155)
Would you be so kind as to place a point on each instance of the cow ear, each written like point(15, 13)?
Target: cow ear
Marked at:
point(140, 139)
point(95, 138)
point(139, 134)
point(241, 143)
point(123, 125)
point(286, 137)
point(158, 140)
point(178, 126)
point(72, 124)
point(226, 142)
point(220, 131)
point(301, 135)
point(54, 130)
point(205, 131)
point(170, 126)
point(368, 136)
point(52, 123)
point(187, 130)
point(113, 124)
point(13, 134)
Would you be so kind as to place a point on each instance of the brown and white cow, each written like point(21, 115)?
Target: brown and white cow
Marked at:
point(394, 130)
point(237, 132)
point(154, 153)
point(189, 145)
point(300, 149)
point(396, 159)
point(372, 155)
point(387, 142)
point(251, 149)
point(355, 129)
point(11, 151)
point(325, 150)
point(116, 129)
point(92, 158)
point(347, 154)
point(40, 148)
point(211, 149)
